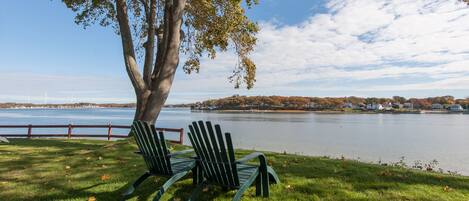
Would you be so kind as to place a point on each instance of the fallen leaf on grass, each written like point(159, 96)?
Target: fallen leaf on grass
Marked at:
point(447, 189)
point(385, 173)
point(270, 162)
point(92, 198)
point(67, 167)
point(105, 177)
point(289, 187)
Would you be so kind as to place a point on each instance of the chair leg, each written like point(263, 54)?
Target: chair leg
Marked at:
point(197, 175)
point(168, 183)
point(195, 193)
point(258, 186)
point(266, 177)
point(273, 175)
point(134, 186)
point(264, 182)
point(246, 185)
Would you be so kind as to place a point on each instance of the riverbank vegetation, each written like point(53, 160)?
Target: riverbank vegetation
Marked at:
point(48, 169)
point(396, 103)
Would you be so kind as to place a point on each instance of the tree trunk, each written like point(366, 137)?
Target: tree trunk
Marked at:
point(150, 103)
point(152, 89)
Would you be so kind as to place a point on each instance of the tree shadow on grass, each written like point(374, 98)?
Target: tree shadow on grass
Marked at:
point(75, 170)
point(52, 143)
point(63, 169)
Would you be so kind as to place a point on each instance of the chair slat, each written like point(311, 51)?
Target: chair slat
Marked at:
point(232, 158)
point(195, 145)
point(137, 135)
point(164, 148)
point(158, 146)
point(228, 169)
point(153, 147)
point(145, 146)
point(203, 156)
point(208, 161)
point(153, 143)
point(215, 163)
point(221, 166)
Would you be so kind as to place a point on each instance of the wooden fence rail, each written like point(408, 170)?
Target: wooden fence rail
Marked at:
point(70, 133)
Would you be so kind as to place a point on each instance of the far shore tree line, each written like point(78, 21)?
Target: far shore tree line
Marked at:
point(68, 105)
point(327, 103)
point(237, 102)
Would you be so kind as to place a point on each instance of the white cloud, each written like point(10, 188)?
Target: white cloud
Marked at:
point(359, 40)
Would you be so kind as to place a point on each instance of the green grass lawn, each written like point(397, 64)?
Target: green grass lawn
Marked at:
point(47, 169)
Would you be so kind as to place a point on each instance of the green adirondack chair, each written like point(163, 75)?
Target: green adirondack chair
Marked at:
point(216, 157)
point(159, 161)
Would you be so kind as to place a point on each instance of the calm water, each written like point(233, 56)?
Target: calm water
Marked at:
point(367, 137)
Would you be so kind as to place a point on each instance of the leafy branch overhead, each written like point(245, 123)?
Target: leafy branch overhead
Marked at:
point(208, 26)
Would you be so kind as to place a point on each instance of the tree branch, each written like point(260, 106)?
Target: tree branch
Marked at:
point(150, 44)
point(145, 7)
point(128, 47)
point(162, 40)
point(160, 50)
point(174, 33)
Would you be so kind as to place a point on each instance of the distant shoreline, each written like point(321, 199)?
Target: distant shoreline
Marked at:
point(286, 111)
point(332, 111)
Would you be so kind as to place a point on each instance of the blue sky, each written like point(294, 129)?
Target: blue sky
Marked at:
point(309, 48)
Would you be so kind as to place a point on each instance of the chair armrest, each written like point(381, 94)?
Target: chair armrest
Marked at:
point(251, 156)
point(180, 152)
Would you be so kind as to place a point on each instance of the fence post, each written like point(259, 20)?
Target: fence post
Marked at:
point(109, 132)
point(181, 135)
point(69, 133)
point(30, 128)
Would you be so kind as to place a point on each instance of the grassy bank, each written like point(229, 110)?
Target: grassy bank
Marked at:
point(45, 169)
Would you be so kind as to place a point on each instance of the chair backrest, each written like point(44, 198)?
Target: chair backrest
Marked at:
point(215, 153)
point(153, 148)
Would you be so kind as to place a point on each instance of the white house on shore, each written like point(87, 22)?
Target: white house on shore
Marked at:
point(408, 106)
point(374, 106)
point(388, 106)
point(347, 105)
point(455, 108)
point(437, 106)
